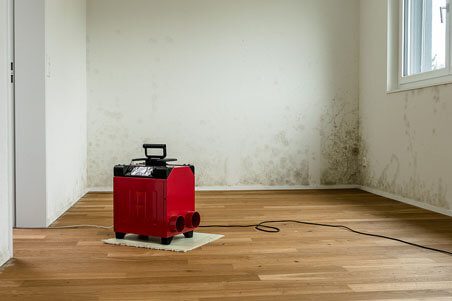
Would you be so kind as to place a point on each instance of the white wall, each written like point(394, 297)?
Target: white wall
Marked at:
point(50, 108)
point(405, 136)
point(66, 134)
point(30, 129)
point(6, 141)
point(252, 92)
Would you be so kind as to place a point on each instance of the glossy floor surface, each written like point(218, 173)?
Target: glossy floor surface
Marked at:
point(299, 263)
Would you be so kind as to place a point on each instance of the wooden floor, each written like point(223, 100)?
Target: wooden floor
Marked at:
point(299, 263)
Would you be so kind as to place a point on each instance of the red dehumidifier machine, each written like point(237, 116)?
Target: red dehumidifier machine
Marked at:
point(153, 197)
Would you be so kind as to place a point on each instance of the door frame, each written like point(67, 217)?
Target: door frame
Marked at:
point(11, 105)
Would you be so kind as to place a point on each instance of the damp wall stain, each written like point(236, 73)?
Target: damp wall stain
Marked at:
point(417, 162)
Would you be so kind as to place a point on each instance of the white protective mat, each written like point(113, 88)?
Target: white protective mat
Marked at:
point(179, 243)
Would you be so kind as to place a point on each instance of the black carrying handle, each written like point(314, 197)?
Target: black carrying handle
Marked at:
point(155, 146)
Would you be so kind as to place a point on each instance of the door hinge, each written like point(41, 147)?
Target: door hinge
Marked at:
point(12, 71)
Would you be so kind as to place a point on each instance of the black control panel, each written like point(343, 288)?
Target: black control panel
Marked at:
point(153, 166)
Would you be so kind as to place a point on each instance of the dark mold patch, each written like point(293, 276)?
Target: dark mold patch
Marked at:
point(340, 142)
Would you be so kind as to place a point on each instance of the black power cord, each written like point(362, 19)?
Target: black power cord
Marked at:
point(264, 227)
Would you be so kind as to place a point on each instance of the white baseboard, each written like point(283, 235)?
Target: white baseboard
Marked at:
point(261, 187)
point(405, 200)
point(256, 187)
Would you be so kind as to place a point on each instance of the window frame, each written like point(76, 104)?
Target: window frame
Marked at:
point(396, 81)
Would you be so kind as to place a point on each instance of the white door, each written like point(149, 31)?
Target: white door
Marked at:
point(6, 130)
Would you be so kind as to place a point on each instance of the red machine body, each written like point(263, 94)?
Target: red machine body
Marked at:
point(154, 200)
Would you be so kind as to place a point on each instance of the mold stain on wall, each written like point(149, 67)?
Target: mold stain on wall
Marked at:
point(340, 141)
point(413, 184)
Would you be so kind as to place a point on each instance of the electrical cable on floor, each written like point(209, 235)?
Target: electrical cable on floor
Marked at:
point(272, 229)
point(264, 227)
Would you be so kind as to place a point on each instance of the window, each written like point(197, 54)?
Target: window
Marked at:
point(420, 42)
point(424, 36)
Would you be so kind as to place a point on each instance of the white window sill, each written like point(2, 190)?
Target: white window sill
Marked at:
point(426, 83)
